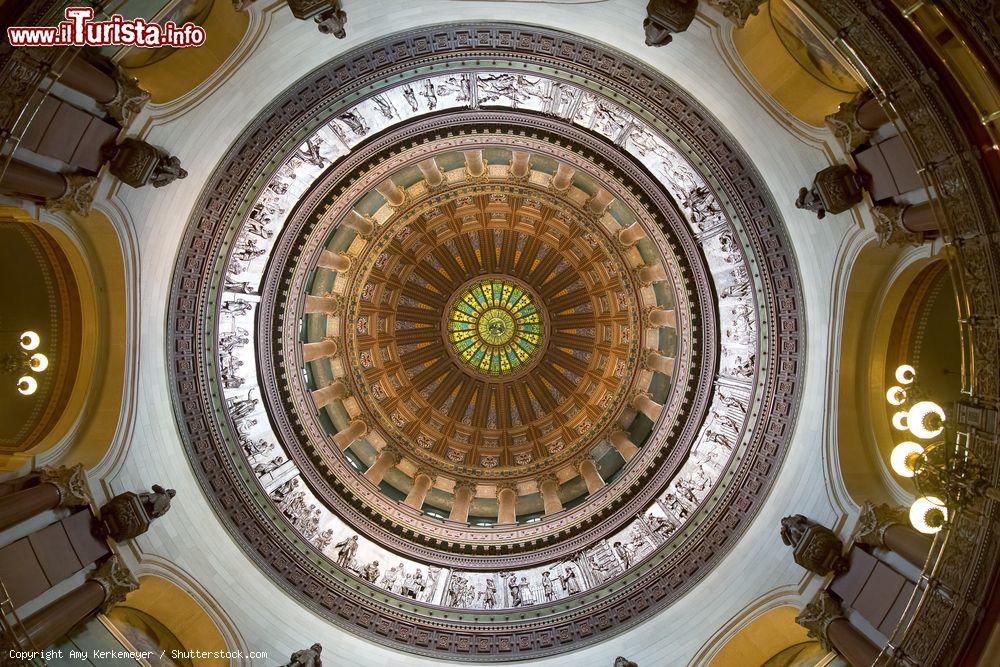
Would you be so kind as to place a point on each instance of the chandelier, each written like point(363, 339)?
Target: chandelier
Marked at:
point(945, 474)
point(25, 362)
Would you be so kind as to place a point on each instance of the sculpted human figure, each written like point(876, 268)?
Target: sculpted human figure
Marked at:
point(568, 581)
point(515, 591)
point(308, 657)
point(167, 171)
point(547, 588)
point(793, 529)
point(158, 502)
point(346, 550)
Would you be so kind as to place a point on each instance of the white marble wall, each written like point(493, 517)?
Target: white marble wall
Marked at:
point(192, 537)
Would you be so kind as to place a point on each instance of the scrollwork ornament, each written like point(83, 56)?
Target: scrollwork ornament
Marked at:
point(116, 580)
point(78, 197)
point(817, 616)
point(129, 98)
point(875, 520)
point(71, 482)
point(889, 226)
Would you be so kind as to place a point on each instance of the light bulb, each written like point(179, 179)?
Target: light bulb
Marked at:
point(30, 340)
point(896, 395)
point(928, 514)
point(27, 385)
point(899, 421)
point(925, 419)
point(905, 374)
point(904, 458)
point(39, 362)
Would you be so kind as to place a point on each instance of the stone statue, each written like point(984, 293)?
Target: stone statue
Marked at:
point(346, 550)
point(332, 22)
point(137, 163)
point(624, 662)
point(809, 200)
point(167, 171)
point(815, 547)
point(129, 514)
point(665, 17)
point(308, 657)
point(158, 501)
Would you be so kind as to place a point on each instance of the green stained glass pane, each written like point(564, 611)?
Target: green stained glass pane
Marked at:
point(495, 327)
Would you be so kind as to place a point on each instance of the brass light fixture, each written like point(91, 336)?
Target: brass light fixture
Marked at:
point(943, 470)
point(25, 362)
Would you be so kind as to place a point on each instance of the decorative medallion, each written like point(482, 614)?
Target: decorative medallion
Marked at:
point(495, 328)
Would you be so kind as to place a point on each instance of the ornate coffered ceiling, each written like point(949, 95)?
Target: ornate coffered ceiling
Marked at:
point(640, 311)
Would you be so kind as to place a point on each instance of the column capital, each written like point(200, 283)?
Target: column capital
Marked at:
point(546, 477)
point(129, 98)
point(889, 226)
point(71, 482)
point(737, 11)
point(116, 580)
point(817, 616)
point(427, 472)
point(844, 122)
point(506, 486)
point(78, 197)
point(464, 485)
point(875, 520)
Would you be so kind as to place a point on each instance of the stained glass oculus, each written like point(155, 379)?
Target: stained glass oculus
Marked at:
point(495, 327)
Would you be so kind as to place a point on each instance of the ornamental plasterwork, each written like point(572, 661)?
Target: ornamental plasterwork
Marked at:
point(770, 375)
point(603, 560)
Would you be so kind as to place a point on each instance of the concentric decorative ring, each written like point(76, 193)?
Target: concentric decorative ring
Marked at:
point(744, 399)
point(495, 327)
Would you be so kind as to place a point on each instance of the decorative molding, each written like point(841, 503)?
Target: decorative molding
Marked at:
point(660, 580)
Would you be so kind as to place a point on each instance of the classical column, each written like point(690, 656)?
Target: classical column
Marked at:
point(600, 202)
point(563, 178)
point(588, 470)
point(355, 430)
point(921, 219)
point(392, 192)
point(422, 483)
point(631, 235)
point(105, 587)
point(386, 459)
point(825, 621)
point(647, 406)
point(548, 486)
point(56, 487)
point(60, 192)
point(84, 78)
point(326, 305)
point(335, 391)
point(660, 317)
point(321, 350)
point(904, 224)
point(654, 273)
point(475, 166)
point(465, 492)
point(338, 262)
point(655, 361)
point(358, 223)
point(520, 164)
point(507, 502)
point(886, 527)
point(870, 115)
point(431, 171)
point(621, 442)
point(120, 95)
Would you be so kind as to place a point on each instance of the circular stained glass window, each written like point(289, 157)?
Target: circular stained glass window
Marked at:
point(495, 327)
